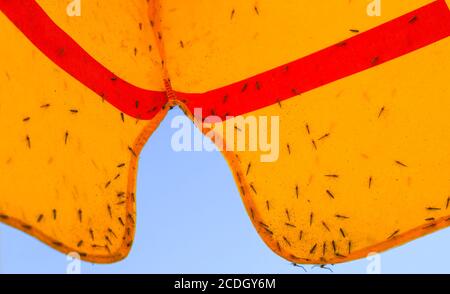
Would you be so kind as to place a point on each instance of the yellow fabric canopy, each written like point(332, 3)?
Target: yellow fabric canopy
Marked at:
point(362, 102)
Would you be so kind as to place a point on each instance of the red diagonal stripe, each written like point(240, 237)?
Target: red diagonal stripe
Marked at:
point(37, 26)
point(393, 39)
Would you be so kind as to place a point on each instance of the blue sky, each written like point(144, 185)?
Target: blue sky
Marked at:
point(190, 219)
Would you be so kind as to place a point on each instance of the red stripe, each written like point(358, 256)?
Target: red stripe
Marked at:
point(32, 20)
point(393, 39)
